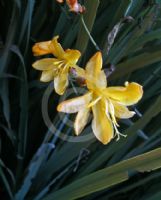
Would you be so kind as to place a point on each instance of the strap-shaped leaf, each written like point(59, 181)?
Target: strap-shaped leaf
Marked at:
point(109, 176)
point(137, 62)
point(89, 18)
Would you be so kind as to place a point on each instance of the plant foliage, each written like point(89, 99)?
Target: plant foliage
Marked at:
point(36, 163)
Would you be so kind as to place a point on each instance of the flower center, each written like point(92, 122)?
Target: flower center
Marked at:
point(61, 65)
point(110, 109)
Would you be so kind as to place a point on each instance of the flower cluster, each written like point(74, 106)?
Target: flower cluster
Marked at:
point(107, 104)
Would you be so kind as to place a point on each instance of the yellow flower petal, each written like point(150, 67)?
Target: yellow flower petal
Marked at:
point(128, 95)
point(47, 76)
point(44, 64)
point(94, 65)
point(57, 48)
point(101, 81)
point(122, 111)
point(75, 104)
point(61, 81)
point(42, 48)
point(81, 120)
point(72, 56)
point(96, 83)
point(111, 111)
point(80, 72)
point(101, 124)
point(94, 75)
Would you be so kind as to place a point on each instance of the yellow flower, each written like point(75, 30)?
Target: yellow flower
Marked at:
point(106, 103)
point(43, 48)
point(57, 68)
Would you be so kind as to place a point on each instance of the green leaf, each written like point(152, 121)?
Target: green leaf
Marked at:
point(109, 176)
point(137, 62)
point(154, 197)
point(6, 183)
point(26, 24)
point(89, 18)
point(120, 12)
point(32, 171)
point(23, 103)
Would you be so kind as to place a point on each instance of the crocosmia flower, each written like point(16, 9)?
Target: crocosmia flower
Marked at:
point(55, 69)
point(74, 6)
point(107, 104)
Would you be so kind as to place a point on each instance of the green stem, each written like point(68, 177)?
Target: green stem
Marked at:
point(88, 21)
point(88, 33)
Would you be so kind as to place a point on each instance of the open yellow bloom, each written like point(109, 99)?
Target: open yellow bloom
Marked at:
point(106, 103)
point(57, 68)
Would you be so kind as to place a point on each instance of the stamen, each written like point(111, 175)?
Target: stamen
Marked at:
point(61, 65)
point(93, 102)
point(57, 62)
point(110, 109)
point(112, 113)
point(117, 133)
